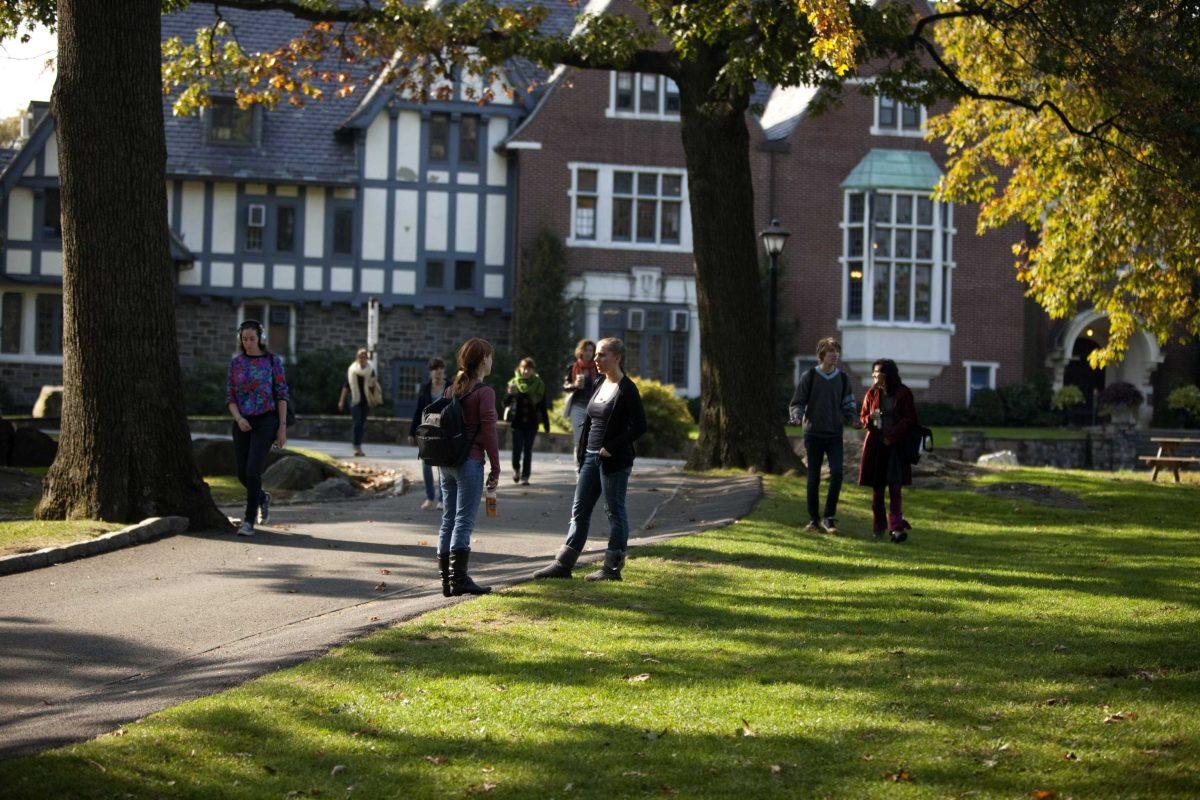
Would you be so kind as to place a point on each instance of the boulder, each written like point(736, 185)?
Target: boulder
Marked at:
point(1004, 458)
point(216, 456)
point(32, 448)
point(294, 474)
point(49, 402)
point(328, 489)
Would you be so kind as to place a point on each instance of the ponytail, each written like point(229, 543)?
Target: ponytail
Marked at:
point(470, 356)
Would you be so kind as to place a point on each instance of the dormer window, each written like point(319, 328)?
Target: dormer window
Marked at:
point(229, 124)
point(643, 96)
point(896, 118)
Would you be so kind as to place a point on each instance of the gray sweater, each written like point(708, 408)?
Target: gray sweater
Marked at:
point(824, 402)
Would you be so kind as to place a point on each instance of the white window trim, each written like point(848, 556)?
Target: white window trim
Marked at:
point(797, 360)
point(604, 197)
point(940, 277)
point(267, 305)
point(28, 354)
point(992, 367)
point(660, 114)
point(876, 130)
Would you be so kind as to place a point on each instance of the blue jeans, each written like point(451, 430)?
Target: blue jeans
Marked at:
point(433, 489)
point(817, 448)
point(359, 412)
point(462, 487)
point(588, 486)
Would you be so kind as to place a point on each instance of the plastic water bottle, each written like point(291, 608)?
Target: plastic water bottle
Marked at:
point(490, 503)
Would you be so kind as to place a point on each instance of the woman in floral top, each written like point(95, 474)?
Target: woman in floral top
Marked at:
point(257, 397)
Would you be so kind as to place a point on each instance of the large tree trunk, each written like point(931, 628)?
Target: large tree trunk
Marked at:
point(741, 424)
point(125, 451)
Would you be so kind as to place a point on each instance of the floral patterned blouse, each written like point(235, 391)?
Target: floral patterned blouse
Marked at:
point(256, 383)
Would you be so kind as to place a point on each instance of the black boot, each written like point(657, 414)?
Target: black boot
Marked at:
point(611, 571)
point(444, 569)
point(460, 581)
point(562, 564)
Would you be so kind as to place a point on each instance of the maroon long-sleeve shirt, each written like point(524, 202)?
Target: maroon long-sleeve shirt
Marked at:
point(479, 413)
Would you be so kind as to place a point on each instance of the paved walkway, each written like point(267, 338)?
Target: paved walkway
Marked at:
point(89, 645)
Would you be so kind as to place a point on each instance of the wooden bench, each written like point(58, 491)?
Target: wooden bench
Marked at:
point(1166, 458)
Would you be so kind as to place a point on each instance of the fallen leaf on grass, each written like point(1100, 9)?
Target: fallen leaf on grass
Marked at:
point(1070, 757)
point(746, 729)
point(1054, 701)
point(379, 587)
point(633, 773)
point(895, 652)
point(487, 769)
point(1119, 716)
point(1043, 794)
point(482, 788)
point(901, 775)
point(437, 761)
point(645, 676)
point(337, 770)
point(667, 790)
point(776, 769)
point(1060, 648)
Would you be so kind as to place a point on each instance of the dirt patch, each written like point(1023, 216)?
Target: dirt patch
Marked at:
point(1035, 493)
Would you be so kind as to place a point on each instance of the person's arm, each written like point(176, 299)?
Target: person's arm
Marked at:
point(800, 399)
point(280, 389)
point(632, 399)
point(544, 413)
point(487, 432)
point(342, 397)
point(849, 407)
point(569, 381)
point(864, 414)
point(231, 403)
point(416, 418)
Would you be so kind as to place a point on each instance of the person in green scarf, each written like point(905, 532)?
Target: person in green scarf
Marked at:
point(524, 407)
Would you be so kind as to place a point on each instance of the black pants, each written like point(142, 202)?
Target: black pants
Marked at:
point(522, 443)
point(817, 448)
point(359, 412)
point(251, 449)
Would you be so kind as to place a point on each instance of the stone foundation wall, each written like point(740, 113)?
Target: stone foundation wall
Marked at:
point(1104, 448)
point(20, 385)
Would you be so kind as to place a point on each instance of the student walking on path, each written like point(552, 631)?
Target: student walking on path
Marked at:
point(525, 408)
point(257, 397)
point(889, 413)
point(604, 455)
point(362, 387)
point(579, 385)
point(429, 389)
point(463, 485)
point(824, 402)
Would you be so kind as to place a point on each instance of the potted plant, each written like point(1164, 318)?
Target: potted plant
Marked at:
point(1122, 401)
point(1185, 402)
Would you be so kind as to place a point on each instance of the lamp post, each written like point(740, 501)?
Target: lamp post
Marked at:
point(774, 238)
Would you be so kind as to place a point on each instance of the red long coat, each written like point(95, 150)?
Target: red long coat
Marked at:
point(872, 468)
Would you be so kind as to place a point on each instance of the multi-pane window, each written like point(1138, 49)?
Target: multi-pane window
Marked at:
point(896, 117)
point(585, 203)
point(435, 275)
point(229, 124)
point(11, 307)
point(265, 223)
point(47, 329)
point(468, 139)
point(51, 215)
point(464, 276)
point(628, 206)
point(439, 137)
point(642, 95)
point(343, 231)
point(890, 256)
point(656, 339)
point(980, 375)
point(285, 229)
point(277, 320)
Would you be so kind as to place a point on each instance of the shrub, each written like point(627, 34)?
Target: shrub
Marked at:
point(987, 408)
point(1067, 397)
point(317, 377)
point(1120, 394)
point(942, 414)
point(1020, 403)
point(668, 421)
point(204, 387)
point(1185, 399)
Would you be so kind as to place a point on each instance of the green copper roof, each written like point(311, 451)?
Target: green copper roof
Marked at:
point(914, 170)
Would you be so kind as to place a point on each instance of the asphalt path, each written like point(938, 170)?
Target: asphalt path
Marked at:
point(88, 645)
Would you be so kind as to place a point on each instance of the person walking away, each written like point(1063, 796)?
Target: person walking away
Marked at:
point(257, 396)
point(889, 412)
point(463, 485)
point(823, 402)
point(362, 387)
point(615, 419)
point(524, 408)
point(434, 387)
point(579, 385)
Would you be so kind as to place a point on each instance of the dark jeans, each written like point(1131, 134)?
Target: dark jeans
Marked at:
point(522, 446)
point(591, 483)
point(817, 448)
point(251, 449)
point(360, 420)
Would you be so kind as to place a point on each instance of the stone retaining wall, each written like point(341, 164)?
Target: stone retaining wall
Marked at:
point(1101, 448)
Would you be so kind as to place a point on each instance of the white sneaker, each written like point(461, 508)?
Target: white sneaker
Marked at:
point(440, 506)
point(246, 529)
point(426, 505)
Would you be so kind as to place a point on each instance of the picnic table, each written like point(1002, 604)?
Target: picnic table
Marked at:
point(1166, 458)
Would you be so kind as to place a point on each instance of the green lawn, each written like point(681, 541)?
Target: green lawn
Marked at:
point(1008, 650)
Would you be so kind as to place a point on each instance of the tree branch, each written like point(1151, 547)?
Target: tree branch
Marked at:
point(332, 14)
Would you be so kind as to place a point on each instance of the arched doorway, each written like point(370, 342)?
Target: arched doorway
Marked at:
point(1080, 372)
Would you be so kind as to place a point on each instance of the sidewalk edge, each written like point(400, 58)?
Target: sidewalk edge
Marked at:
point(144, 531)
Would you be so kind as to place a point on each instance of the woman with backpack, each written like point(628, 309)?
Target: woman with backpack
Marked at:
point(580, 382)
point(889, 414)
point(429, 389)
point(524, 408)
point(604, 455)
point(463, 484)
point(362, 387)
point(257, 397)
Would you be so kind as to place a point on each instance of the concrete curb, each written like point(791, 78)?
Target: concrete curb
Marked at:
point(144, 531)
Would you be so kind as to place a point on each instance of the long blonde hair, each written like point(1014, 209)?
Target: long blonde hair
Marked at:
point(470, 356)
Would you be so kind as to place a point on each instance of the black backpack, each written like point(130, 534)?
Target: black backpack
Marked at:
point(441, 435)
point(915, 442)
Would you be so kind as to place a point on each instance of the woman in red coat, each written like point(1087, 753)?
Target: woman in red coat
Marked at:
point(888, 412)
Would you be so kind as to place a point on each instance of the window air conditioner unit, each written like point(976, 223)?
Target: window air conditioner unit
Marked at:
point(256, 215)
point(679, 321)
point(637, 319)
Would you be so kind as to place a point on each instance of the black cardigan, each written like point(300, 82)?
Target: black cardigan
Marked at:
point(627, 423)
point(424, 399)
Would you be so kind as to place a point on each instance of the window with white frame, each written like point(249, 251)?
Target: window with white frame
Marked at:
point(643, 96)
point(278, 320)
point(31, 325)
point(629, 207)
point(897, 118)
point(980, 375)
point(897, 256)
